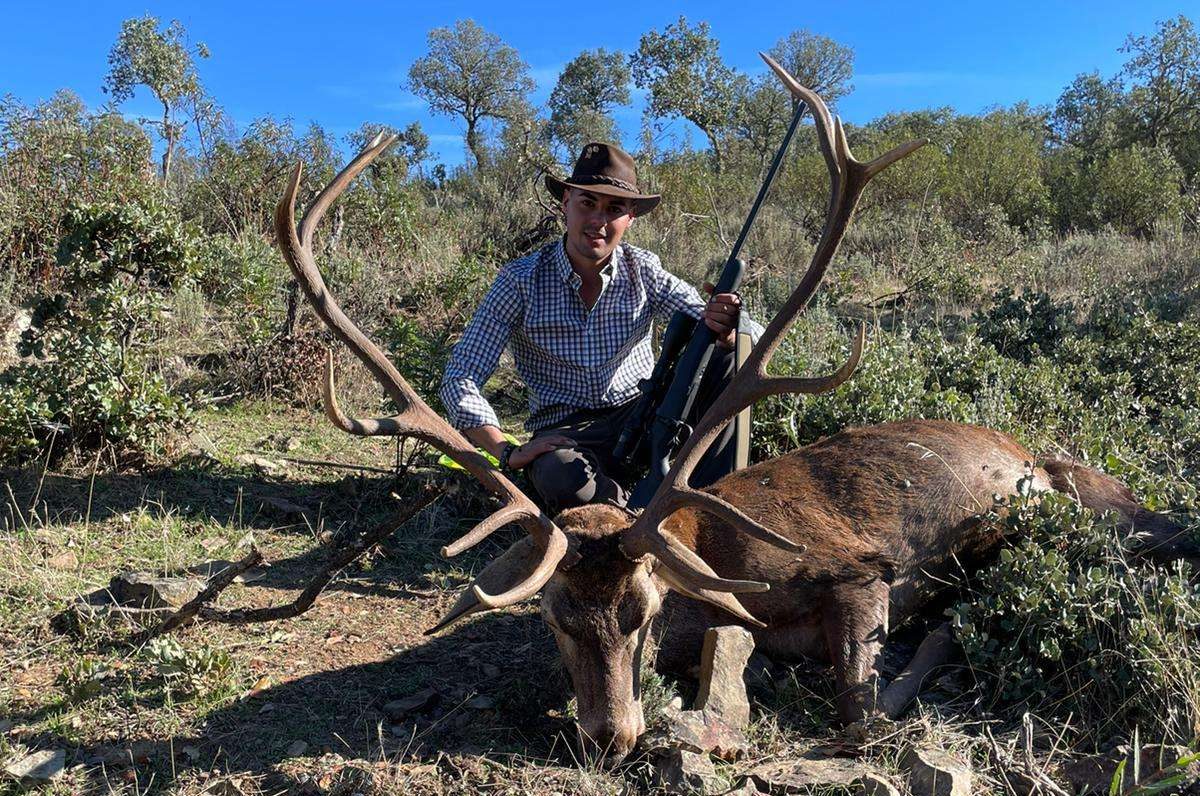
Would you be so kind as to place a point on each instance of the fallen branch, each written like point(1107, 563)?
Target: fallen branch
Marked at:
point(216, 584)
point(314, 587)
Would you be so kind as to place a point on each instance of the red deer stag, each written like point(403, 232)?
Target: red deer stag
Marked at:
point(848, 534)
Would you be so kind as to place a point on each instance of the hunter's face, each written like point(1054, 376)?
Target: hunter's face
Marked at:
point(595, 224)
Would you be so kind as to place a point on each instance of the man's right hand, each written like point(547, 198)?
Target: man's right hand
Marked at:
point(524, 455)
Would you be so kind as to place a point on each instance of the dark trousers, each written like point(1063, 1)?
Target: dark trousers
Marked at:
point(587, 473)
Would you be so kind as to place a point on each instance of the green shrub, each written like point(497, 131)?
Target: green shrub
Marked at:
point(91, 384)
point(1068, 623)
point(1022, 326)
point(90, 379)
point(434, 311)
point(141, 240)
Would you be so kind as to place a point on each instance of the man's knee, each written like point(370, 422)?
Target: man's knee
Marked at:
point(564, 478)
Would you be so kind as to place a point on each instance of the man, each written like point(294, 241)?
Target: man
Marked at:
point(577, 317)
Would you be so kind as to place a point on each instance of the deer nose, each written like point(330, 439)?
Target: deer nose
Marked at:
point(610, 745)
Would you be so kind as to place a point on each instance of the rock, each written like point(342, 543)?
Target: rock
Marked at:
point(876, 785)
point(296, 748)
point(697, 731)
point(681, 771)
point(419, 702)
point(722, 674)
point(206, 569)
point(1094, 774)
point(65, 560)
point(144, 590)
point(43, 766)
point(932, 772)
point(810, 771)
point(5, 725)
point(259, 463)
point(747, 789)
point(481, 702)
point(286, 508)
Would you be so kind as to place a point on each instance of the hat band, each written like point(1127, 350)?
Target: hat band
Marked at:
point(603, 179)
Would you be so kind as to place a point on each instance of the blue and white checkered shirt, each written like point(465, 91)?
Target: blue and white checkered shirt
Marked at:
point(570, 357)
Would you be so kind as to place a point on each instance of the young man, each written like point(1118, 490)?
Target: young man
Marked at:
point(577, 316)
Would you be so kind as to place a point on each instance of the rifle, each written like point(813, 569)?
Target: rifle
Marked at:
point(667, 431)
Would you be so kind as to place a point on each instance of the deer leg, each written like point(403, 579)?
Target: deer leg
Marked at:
point(934, 651)
point(855, 622)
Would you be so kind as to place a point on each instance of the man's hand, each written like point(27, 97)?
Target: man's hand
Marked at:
point(524, 455)
point(721, 315)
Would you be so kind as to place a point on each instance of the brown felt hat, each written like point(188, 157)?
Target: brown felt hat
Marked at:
point(606, 169)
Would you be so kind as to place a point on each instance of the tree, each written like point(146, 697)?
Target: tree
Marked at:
point(1088, 115)
point(763, 113)
point(996, 160)
point(162, 62)
point(818, 62)
point(588, 88)
point(471, 73)
point(410, 148)
point(686, 77)
point(1164, 97)
point(1135, 188)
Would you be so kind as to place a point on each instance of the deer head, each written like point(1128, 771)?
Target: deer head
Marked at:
point(603, 571)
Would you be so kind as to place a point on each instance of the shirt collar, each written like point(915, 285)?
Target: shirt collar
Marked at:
point(563, 264)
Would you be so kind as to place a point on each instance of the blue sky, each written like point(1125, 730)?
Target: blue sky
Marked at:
point(342, 64)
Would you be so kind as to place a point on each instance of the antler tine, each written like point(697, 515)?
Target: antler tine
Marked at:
point(334, 189)
point(847, 178)
point(415, 418)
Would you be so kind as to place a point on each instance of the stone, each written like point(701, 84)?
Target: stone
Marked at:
point(876, 785)
point(206, 569)
point(808, 772)
point(296, 748)
point(66, 560)
point(38, 767)
point(262, 464)
point(286, 508)
point(5, 725)
point(481, 702)
point(419, 702)
point(932, 772)
point(683, 772)
point(697, 731)
point(722, 674)
point(145, 590)
point(747, 789)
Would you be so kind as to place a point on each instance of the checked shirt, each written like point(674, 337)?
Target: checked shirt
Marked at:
point(570, 357)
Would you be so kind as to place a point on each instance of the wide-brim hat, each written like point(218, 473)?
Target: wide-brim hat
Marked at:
point(607, 169)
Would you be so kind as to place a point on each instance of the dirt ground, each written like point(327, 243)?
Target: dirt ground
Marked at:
point(298, 705)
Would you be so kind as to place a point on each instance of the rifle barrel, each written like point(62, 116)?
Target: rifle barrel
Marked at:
point(766, 185)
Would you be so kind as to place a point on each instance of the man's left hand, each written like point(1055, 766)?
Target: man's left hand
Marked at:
point(721, 315)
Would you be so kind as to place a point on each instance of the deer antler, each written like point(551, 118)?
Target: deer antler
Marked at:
point(847, 177)
point(415, 418)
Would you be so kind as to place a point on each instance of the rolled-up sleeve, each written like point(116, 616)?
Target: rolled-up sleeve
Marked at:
point(475, 355)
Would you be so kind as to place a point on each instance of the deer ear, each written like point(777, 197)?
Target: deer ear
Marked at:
point(497, 577)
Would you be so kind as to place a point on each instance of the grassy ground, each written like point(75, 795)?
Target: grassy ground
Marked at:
point(297, 705)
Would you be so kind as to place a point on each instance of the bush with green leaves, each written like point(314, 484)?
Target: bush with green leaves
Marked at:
point(90, 377)
point(141, 240)
point(433, 313)
point(1022, 326)
point(90, 383)
point(1070, 623)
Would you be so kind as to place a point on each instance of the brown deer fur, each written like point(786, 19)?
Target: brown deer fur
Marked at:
point(886, 513)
